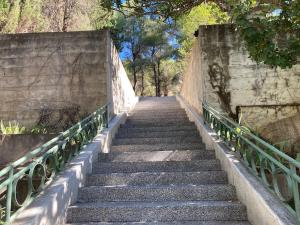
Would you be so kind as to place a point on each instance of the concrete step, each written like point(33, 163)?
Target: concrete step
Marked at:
point(156, 156)
point(158, 109)
point(157, 178)
point(156, 211)
point(158, 147)
point(158, 106)
point(169, 166)
point(168, 120)
point(158, 119)
point(161, 111)
point(147, 124)
point(168, 223)
point(190, 127)
point(188, 133)
point(165, 120)
point(147, 114)
point(209, 192)
point(153, 141)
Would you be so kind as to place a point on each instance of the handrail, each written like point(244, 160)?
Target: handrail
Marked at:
point(23, 179)
point(277, 171)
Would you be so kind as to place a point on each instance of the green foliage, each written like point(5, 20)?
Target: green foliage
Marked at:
point(271, 29)
point(204, 14)
point(101, 17)
point(147, 47)
point(23, 16)
point(271, 33)
point(12, 127)
point(39, 130)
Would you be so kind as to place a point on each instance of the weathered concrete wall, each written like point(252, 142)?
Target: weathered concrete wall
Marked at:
point(13, 147)
point(222, 74)
point(55, 79)
point(60, 73)
point(192, 88)
point(123, 97)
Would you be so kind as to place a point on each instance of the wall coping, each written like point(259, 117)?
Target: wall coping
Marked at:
point(263, 207)
point(50, 207)
point(53, 34)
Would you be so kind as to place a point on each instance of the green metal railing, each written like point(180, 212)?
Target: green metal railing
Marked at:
point(278, 171)
point(24, 179)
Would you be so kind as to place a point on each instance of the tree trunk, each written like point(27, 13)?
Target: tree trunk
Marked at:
point(69, 5)
point(155, 78)
point(134, 72)
point(158, 79)
point(143, 87)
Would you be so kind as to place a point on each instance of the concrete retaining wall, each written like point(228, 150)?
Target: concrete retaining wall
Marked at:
point(55, 79)
point(221, 73)
point(63, 74)
point(123, 96)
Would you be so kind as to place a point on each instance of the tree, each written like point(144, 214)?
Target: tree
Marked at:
point(128, 35)
point(19, 16)
point(158, 48)
point(145, 43)
point(204, 14)
point(271, 29)
point(23, 16)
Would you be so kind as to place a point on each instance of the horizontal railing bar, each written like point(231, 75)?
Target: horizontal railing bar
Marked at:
point(47, 144)
point(58, 150)
point(267, 157)
point(293, 161)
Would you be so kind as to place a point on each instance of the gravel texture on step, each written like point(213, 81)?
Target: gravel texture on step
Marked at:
point(157, 172)
point(156, 211)
point(157, 147)
point(158, 120)
point(162, 123)
point(179, 133)
point(191, 127)
point(153, 141)
point(145, 115)
point(218, 192)
point(157, 178)
point(154, 156)
point(175, 166)
point(169, 223)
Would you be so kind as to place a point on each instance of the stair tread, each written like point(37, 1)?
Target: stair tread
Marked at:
point(150, 178)
point(157, 147)
point(158, 172)
point(141, 134)
point(168, 223)
point(152, 140)
point(153, 156)
point(160, 186)
point(150, 204)
point(220, 192)
point(188, 166)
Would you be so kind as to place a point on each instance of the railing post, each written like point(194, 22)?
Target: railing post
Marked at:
point(295, 187)
point(9, 194)
point(107, 115)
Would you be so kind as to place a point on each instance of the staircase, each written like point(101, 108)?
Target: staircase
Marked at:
point(158, 173)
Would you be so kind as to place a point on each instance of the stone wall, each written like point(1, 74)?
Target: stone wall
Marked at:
point(222, 74)
point(55, 79)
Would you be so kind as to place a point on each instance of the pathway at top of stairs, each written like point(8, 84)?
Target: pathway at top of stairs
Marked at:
point(157, 173)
